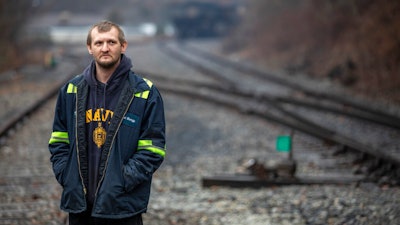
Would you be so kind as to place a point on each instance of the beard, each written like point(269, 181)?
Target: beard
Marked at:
point(107, 64)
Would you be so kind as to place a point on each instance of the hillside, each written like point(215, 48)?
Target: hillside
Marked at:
point(355, 43)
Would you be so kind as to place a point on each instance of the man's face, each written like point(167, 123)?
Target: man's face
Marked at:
point(106, 48)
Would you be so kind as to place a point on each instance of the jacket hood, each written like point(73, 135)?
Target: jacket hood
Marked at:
point(121, 72)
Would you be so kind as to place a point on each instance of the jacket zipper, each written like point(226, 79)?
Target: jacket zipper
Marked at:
point(77, 144)
point(109, 152)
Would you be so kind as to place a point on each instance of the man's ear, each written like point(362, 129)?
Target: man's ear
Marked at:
point(89, 48)
point(124, 46)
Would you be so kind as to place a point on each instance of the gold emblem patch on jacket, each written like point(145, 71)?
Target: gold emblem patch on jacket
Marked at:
point(99, 135)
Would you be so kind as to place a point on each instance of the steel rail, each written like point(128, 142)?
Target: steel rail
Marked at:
point(18, 117)
point(266, 98)
point(364, 112)
point(297, 122)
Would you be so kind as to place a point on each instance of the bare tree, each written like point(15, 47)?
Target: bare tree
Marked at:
point(353, 42)
point(13, 15)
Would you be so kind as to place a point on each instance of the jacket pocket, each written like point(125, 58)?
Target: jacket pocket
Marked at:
point(70, 165)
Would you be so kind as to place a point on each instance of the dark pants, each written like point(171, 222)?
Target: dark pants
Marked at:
point(85, 219)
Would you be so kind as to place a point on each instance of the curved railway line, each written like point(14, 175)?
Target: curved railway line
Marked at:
point(344, 106)
point(28, 191)
point(50, 86)
point(283, 107)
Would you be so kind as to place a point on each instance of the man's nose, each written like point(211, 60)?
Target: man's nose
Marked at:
point(105, 47)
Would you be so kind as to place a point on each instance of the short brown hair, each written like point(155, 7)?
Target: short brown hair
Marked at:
point(105, 26)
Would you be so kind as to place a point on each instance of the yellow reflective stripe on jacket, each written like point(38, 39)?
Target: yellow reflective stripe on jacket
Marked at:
point(59, 136)
point(145, 94)
point(148, 82)
point(148, 145)
point(71, 88)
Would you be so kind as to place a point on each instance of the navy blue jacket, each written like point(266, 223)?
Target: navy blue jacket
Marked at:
point(134, 148)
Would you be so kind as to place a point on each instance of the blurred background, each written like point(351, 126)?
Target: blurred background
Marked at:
point(355, 43)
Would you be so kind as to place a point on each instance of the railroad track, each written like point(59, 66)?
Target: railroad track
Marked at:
point(290, 108)
point(345, 105)
point(332, 103)
point(12, 117)
point(29, 193)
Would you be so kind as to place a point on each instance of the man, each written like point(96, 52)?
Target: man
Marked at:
point(108, 135)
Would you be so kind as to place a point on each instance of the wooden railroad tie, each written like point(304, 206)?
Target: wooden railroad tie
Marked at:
point(254, 174)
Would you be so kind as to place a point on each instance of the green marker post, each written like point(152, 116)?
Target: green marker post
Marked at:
point(284, 144)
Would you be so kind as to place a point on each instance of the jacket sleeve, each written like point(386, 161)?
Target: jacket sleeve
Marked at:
point(151, 145)
point(59, 140)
